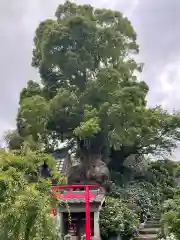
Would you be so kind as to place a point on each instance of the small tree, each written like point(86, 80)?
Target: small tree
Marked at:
point(25, 198)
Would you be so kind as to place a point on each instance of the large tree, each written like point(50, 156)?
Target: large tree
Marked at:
point(90, 93)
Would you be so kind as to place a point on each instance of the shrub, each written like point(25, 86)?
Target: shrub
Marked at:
point(171, 216)
point(116, 218)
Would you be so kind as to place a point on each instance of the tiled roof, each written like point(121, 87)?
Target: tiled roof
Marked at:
point(99, 198)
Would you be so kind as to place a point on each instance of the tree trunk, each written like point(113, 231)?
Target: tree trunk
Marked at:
point(91, 169)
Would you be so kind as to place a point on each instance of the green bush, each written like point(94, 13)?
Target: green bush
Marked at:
point(116, 218)
point(142, 196)
point(25, 202)
point(171, 216)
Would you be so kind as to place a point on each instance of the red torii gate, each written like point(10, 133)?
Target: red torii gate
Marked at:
point(87, 196)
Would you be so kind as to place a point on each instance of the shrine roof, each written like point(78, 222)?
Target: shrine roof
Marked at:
point(78, 196)
point(98, 199)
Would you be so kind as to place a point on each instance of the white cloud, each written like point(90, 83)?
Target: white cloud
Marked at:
point(169, 84)
point(130, 7)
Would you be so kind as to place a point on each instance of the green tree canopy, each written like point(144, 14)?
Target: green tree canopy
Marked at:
point(90, 93)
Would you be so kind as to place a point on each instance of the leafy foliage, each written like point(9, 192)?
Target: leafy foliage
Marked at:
point(116, 218)
point(33, 120)
point(171, 212)
point(13, 140)
point(147, 189)
point(143, 195)
point(164, 175)
point(171, 236)
point(19, 145)
point(25, 198)
point(171, 217)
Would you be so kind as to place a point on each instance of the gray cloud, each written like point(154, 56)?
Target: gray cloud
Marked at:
point(158, 27)
point(157, 24)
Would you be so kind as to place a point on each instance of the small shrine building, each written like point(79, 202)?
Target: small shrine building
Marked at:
point(71, 211)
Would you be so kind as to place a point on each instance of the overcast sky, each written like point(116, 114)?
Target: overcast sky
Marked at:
point(157, 23)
